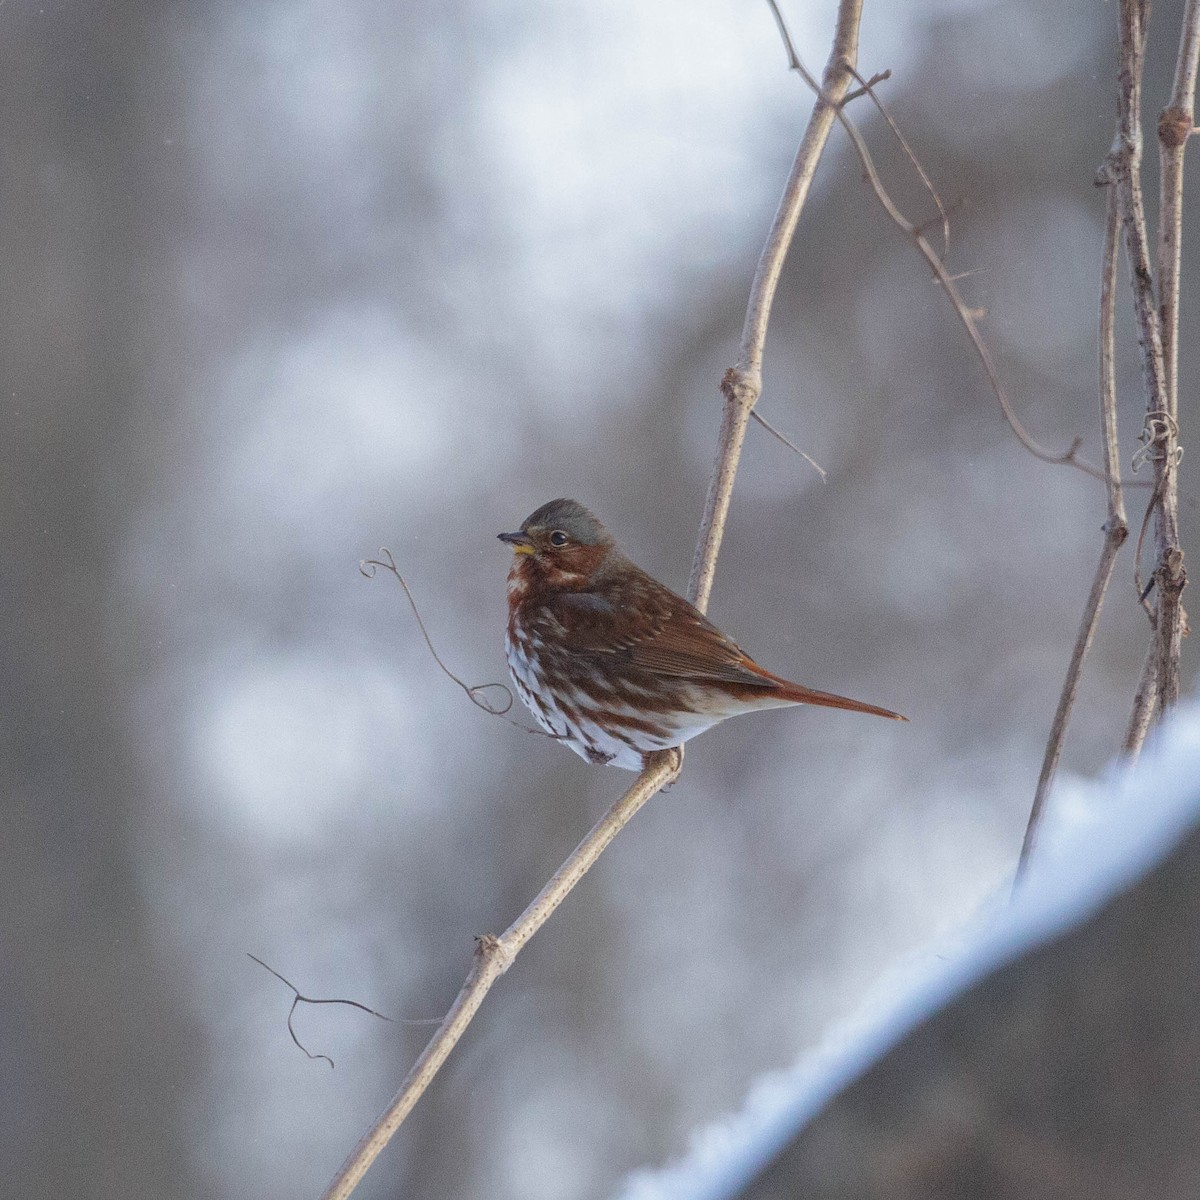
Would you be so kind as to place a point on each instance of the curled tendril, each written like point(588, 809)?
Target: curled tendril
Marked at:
point(298, 999)
point(1159, 428)
point(477, 693)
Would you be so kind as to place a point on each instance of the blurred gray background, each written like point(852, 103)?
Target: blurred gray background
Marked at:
point(283, 283)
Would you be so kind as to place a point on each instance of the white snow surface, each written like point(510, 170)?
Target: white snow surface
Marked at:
point(1099, 837)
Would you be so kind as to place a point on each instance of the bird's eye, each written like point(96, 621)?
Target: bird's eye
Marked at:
point(558, 538)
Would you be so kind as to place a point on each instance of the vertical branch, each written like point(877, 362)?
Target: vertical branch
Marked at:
point(1143, 705)
point(1115, 528)
point(1161, 432)
point(1125, 164)
point(742, 383)
point(494, 955)
point(1175, 125)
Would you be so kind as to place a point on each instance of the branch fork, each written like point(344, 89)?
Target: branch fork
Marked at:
point(1157, 317)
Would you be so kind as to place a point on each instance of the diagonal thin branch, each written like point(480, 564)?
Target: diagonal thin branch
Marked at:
point(1143, 705)
point(787, 441)
point(1116, 530)
point(1068, 457)
point(494, 955)
point(869, 88)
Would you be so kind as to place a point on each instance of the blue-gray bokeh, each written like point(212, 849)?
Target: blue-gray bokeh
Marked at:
point(285, 283)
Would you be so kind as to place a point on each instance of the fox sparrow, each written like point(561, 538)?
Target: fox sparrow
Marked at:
point(612, 662)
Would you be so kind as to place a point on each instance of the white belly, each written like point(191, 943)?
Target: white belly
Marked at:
point(623, 746)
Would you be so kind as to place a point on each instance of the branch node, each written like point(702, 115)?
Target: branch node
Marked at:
point(1116, 529)
point(1170, 573)
point(1174, 127)
point(741, 387)
point(865, 90)
point(490, 949)
point(1109, 171)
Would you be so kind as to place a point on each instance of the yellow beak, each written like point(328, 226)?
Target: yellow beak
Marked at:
point(520, 542)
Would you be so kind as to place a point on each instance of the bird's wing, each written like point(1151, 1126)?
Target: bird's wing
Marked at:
point(650, 628)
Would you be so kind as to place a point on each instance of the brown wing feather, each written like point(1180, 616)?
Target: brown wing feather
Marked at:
point(672, 638)
point(696, 649)
point(669, 637)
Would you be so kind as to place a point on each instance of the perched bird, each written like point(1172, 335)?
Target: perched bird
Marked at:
point(612, 662)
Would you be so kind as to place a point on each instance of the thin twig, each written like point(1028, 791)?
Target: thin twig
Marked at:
point(742, 383)
point(1068, 457)
point(1116, 530)
point(1144, 703)
point(1108, 358)
point(494, 955)
point(775, 433)
point(298, 999)
point(868, 86)
point(1114, 536)
point(1143, 590)
point(953, 207)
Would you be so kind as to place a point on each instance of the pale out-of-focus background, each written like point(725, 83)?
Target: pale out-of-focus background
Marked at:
point(283, 283)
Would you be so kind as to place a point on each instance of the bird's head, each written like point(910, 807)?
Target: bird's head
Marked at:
point(560, 547)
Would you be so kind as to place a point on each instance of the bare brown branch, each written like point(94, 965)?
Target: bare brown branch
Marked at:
point(742, 384)
point(1125, 165)
point(1176, 124)
point(1157, 339)
point(1116, 530)
point(493, 956)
